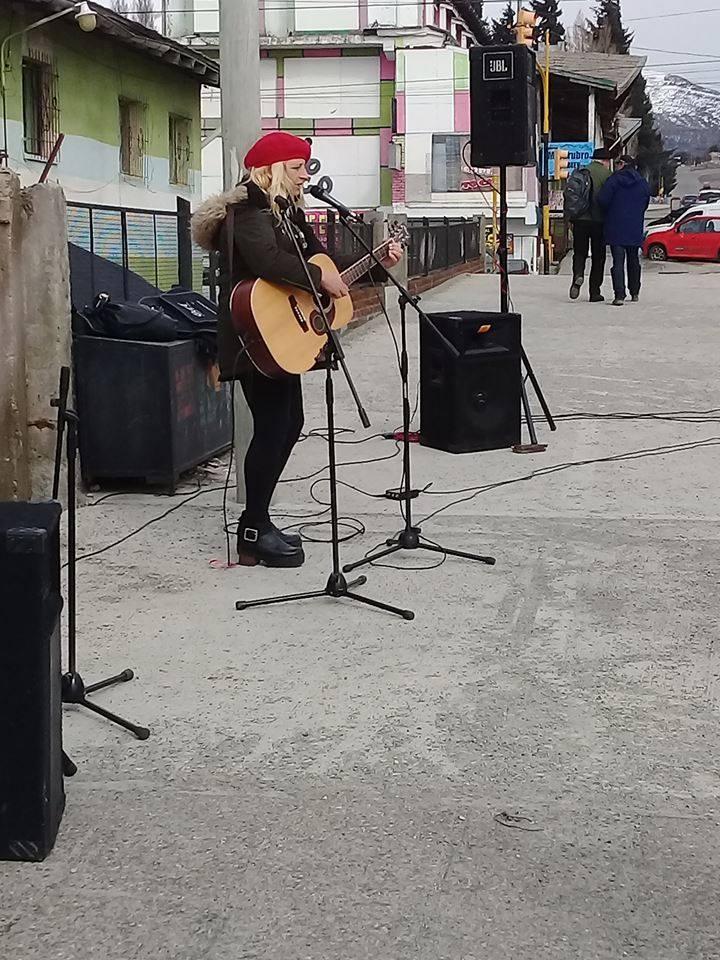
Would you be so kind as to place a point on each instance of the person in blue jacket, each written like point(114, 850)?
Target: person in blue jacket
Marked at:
point(625, 197)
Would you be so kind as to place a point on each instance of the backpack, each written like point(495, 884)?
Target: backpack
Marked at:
point(578, 194)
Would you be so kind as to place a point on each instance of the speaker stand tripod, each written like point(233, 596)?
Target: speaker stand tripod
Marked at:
point(533, 446)
point(74, 689)
point(410, 538)
point(337, 586)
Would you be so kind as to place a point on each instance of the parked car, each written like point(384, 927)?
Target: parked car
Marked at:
point(679, 216)
point(689, 200)
point(695, 238)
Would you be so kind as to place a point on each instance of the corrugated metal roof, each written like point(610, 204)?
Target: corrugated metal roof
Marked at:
point(606, 71)
point(133, 34)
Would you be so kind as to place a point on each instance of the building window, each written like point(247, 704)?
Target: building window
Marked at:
point(180, 150)
point(132, 138)
point(451, 170)
point(41, 116)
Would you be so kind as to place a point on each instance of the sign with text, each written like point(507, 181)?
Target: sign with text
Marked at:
point(498, 65)
point(580, 154)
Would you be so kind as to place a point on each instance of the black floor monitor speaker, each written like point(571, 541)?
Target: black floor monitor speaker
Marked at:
point(503, 106)
point(470, 381)
point(32, 797)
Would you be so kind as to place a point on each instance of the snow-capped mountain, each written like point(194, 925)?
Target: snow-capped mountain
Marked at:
point(687, 114)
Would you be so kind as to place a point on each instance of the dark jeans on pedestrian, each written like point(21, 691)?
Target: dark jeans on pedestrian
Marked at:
point(588, 236)
point(620, 255)
point(277, 410)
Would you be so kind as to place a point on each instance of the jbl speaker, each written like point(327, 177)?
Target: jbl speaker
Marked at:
point(32, 797)
point(470, 382)
point(503, 106)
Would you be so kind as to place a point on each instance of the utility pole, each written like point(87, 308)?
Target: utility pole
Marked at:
point(240, 107)
point(545, 179)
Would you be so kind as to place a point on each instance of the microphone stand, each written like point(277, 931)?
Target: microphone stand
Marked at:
point(73, 685)
point(337, 586)
point(410, 538)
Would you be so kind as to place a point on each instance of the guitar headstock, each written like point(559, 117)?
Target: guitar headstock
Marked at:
point(399, 233)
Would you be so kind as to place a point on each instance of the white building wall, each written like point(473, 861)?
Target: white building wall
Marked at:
point(313, 16)
point(279, 18)
point(206, 18)
point(429, 91)
point(332, 87)
point(353, 164)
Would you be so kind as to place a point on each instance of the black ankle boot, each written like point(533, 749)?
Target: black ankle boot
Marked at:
point(294, 539)
point(265, 545)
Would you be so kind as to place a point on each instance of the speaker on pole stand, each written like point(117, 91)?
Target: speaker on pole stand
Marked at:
point(503, 133)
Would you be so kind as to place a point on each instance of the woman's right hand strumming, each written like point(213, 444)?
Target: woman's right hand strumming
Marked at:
point(334, 285)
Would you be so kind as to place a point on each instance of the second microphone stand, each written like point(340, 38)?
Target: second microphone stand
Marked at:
point(337, 586)
point(74, 689)
point(410, 537)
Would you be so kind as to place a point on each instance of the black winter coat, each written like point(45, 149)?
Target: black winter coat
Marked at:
point(261, 249)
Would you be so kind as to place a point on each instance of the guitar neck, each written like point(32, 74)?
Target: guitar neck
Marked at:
point(356, 271)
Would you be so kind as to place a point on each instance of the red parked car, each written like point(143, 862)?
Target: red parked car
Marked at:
point(697, 238)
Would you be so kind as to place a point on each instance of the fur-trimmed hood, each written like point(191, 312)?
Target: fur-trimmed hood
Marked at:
point(210, 216)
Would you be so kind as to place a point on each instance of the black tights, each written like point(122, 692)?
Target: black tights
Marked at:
point(277, 409)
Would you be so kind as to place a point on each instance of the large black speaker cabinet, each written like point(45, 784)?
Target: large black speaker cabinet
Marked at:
point(470, 382)
point(503, 106)
point(32, 798)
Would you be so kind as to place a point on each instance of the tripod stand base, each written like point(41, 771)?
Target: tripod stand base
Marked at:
point(410, 539)
point(74, 691)
point(337, 587)
point(529, 448)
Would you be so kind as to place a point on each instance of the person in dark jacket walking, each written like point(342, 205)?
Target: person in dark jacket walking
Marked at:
point(625, 198)
point(262, 248)
point(588, 233)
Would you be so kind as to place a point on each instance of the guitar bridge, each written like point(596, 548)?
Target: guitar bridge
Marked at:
point(298, 314)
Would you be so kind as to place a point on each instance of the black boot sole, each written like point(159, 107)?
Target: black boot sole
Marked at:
point(246, 559)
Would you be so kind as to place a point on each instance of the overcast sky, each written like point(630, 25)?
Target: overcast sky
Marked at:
point(690, 33)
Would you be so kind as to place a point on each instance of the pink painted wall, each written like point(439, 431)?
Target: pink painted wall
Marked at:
point(400, 110)
point(322, 52)
point(334, 123)
point(387, 68)
point(385, 139)
point(462, 111)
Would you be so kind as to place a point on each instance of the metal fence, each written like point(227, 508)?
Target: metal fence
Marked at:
point(154, 244)
point(334, 236)
point(442, 243)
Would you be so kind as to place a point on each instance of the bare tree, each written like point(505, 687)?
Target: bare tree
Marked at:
point(143, 11)
point(580, 38)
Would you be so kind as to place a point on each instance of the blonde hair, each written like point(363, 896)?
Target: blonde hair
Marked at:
point(275, 182)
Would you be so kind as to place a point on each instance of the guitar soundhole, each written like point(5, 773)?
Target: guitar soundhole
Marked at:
point(316, 319)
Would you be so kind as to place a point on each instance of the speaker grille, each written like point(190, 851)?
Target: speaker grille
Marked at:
point(470, 381)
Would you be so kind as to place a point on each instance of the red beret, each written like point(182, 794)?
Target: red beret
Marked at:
point(277, 147)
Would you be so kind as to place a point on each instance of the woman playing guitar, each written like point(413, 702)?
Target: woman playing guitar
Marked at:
point(246, 226)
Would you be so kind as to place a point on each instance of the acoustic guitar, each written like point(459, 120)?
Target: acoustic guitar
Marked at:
point(280, 325)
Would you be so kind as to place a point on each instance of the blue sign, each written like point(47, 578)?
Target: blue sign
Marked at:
point(580, 154)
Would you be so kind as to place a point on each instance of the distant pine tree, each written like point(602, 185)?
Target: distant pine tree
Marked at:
point(549, 19)
point(609, 34)
point(502, 28)
point(654, 161)
point(481, 28)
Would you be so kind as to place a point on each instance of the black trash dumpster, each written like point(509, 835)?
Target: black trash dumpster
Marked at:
point(148, 411)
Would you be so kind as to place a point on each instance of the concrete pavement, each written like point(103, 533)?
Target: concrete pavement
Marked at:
point(527, 771)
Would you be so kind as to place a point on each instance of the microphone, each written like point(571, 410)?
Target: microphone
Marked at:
point(321, 194)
